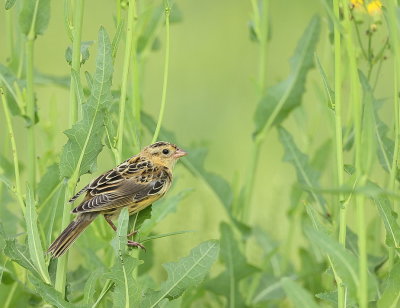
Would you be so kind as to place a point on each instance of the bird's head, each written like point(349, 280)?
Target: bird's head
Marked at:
point(163, 153)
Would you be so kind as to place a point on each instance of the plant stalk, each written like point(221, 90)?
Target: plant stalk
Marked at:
point(125, 72)
point(165, 81)
point(362, 291)
point(73, 118)
point(339, 147)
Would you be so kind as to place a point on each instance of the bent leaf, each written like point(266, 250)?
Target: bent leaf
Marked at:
point(306, 175)
point(84, 138)
point(185, 273)
point(282, 98)
point(35, 14)
point(299, 296)
point(34, 243)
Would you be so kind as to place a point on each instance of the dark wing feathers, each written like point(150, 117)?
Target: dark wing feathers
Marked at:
point(128, 192)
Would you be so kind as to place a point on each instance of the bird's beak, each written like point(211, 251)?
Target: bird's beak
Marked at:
point(179, 153)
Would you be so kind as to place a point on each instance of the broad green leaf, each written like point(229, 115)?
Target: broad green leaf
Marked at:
point(237, 268)
point(35, 15)
point(34, 244)
point(80, 96)
point(120, 240)
point(384, 145)
point(306, 175)
point(49, 294)
point(90, 286)
point(13, 87)
point(126, 292)
point(329, 92)
point(161, 209)
point(20, 255)
point(117, 38)
point(185, 273)
point(344, 262)
point(48, 183)
point(389, 218)
point(390, 296)
point(269, 288)
point(84, 138)
point(299, 296)
point(282, 98)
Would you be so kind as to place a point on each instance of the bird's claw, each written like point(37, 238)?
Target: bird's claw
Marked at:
point(136, 244)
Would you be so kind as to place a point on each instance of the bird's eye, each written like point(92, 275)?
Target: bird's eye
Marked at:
point(165, 151)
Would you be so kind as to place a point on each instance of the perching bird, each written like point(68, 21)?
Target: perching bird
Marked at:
point(136, 184)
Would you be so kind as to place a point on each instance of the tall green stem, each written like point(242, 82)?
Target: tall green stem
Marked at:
point(165, 82)
point(362, 291)
point(7, 115)
point(73, 117)
point(125, 72)
point(339, 146)
point(395, 44)
point(260, 16)
point(30, 96)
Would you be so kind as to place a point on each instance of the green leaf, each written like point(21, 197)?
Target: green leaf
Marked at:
point(9, 4)
point(237, 268)
point(126, 292)
point(148, 26)
point(48, 183)
point(20, 255)
point(185, 273)
point(306, 175)
point(384, 145)
point(11, 83)
point(329, 92)
point(344, 262)
point(84, 138)
point(299, 296)
point(391, 294)
point(368, 140)
point(84, 56)
point(389, 218)
point(282, 98)
point(90, 286)
point(49, 294)
point(117, 38)
point(35, 15)
point(161, 209)
point(34, 243)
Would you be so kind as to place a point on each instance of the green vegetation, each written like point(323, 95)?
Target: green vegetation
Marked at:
point(290, 114)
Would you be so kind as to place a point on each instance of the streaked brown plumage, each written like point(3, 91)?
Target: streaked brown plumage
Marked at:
point(136, 183)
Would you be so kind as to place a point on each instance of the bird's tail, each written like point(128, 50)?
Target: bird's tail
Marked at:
point(70, 234)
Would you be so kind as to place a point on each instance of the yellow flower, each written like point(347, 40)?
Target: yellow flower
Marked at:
point(374, 7)
point(357, 3)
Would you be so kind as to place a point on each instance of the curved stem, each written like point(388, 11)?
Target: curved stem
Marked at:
point(124, 85)
point(165, 82)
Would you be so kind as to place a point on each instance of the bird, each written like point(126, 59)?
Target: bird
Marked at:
point(136, 183)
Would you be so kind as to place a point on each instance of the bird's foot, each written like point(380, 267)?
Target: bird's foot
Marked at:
point(136, 244)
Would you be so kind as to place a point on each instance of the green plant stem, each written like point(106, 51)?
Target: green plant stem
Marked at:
point(61, 271)
point(75, 108)
point(261, 28)
point(10, 33)
point(125, 72)
point(18, 189)
point(30, 96)
point(165, 82)
point(362, 291)
point(339, 147)
point(395, 42)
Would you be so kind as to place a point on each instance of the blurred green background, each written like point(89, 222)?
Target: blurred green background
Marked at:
point(211, 99)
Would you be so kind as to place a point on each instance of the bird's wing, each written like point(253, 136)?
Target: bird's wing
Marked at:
point(120, 193)
point(112, 178)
